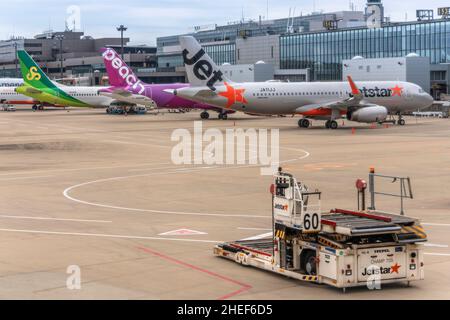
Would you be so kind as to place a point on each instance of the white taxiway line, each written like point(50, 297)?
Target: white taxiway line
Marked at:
point(436, 224)
point(432, 245)
point(261, 236)
point(254, 229)
point(98, 235)
point(437, 254)
point(85, 169)
point(52, 219)
point(25, 178)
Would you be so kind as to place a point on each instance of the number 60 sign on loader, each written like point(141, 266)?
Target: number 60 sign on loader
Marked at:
point(342, 248)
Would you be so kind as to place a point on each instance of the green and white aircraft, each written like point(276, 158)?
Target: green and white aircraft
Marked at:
point(39, 87)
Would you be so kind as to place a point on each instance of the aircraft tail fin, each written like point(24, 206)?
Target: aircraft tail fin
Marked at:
point(119, 73)
point(32, 74)
point(200, 68)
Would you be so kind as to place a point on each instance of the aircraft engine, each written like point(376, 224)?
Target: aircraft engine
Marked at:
point(369, 114)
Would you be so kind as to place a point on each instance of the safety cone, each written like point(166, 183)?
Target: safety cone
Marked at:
point(353, 131)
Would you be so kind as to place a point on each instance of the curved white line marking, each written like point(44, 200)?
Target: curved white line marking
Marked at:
point(67, 191)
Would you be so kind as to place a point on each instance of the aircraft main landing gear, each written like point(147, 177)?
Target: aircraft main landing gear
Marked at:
point(304, 123)
point(331, 124)
point(204, 115)
point(223, 116)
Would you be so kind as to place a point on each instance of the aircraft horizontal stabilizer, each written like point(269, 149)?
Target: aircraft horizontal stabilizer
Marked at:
point(206, 94)
point(126, 96)
point(31, 90)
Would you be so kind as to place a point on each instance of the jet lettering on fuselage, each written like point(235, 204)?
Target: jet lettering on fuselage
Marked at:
point(203, 69)
point(376, 92)
point(124, 71)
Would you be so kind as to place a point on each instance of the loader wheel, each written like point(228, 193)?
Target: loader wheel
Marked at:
point(310, 264)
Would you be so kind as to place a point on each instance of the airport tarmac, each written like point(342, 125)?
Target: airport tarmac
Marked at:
point(82, 188)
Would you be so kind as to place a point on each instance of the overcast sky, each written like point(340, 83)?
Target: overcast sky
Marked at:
point(148, 19)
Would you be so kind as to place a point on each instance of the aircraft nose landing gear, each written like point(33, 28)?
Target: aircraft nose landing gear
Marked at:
point(401, 121)
point(223, 116)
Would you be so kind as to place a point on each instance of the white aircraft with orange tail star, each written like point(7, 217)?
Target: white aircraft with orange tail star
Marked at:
point(366, 102)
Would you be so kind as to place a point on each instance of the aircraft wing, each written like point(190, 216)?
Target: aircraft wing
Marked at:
point(127, 96)
point(357, 101)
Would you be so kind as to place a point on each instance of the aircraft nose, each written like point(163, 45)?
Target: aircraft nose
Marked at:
point(429, 100)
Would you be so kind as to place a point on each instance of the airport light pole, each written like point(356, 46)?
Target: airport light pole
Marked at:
point(122, 29)
point(15, 59)
point(61, 38)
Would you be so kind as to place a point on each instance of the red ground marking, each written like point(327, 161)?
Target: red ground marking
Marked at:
point(244, 287)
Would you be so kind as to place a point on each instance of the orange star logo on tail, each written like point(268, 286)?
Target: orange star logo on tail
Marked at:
point(397, 91)
point(233, 95)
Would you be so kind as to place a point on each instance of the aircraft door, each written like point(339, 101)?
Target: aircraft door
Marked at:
point(408, 94)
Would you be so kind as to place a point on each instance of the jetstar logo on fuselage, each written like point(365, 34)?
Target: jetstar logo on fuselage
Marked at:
point(203, 69)
point(233, 95)
point(381, 93)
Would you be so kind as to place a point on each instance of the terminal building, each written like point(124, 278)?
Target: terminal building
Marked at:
point(314, 47)
point(248, 42)
point(412, 68)
point(80, 54)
